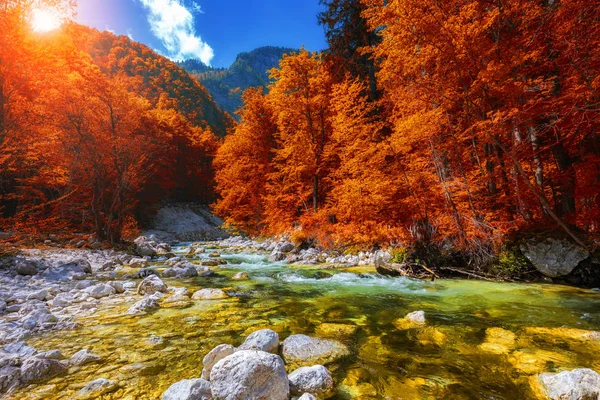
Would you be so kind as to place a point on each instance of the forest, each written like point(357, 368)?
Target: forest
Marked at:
point(457, 124)
point(475, 125)
point(96, 129)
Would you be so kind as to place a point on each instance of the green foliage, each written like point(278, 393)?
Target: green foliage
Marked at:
point(510, 262)
point(399, 255)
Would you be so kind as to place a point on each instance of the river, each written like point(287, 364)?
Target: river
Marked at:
point(460, 354)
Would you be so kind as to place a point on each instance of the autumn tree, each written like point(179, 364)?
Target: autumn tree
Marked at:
point(244, 161)
point(299, 98)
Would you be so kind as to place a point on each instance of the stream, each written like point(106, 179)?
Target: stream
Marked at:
point(483, 340)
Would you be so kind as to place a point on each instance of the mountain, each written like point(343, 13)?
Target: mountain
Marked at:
point(250, 69)
point(160, 78)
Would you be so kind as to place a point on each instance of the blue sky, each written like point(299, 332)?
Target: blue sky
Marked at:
point(212, 30)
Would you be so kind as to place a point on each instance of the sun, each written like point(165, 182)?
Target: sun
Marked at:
point(45, 20)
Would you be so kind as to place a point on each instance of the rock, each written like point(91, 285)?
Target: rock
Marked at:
point(52, 355)
point(138, 263)
point(209, 294)
point(315, 380)
point(304, 350)
point(250, 374)
point(144, 247)
point(10, 378)
point(307, 396)
point(97, 388)
point(210, 263)
point(109, 266)
point(73, 270)
point(579, 384)
point(277, 256)
point(214, 255)
point(25, 266)
point(37, 370)
point(100, 291)
point(83, 357)
point(41, 295)
point(240, 276)
point(414, 319)
point(286, 247)
point(189, 389)
point(151, 285)
point(176, 272)
point(214, 356)
point(20, 348)
point(146, 304)
point(554, 257)
point(264, 340)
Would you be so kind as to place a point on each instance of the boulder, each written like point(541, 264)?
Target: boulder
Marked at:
point(315, 380)
point(148, 303)
point(152, 284)
point(286, 247)
point(144, 247)
point(97, 388)
point(189, 389)
point(214, 356)
point(137, 263)
point(210, 263)
point(277, 256)
point(250, 374)
point(25, 266)
point(100, 291)
point(209, 294)
point(73, 270)
point(304, 350)
point(37, 370)
point(240, 276)
point(264, 340)
point(177, 272)
point(579, 384)
point(83, 357)
point(554, 257)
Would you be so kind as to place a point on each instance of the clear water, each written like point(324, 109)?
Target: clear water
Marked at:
point(456, 356)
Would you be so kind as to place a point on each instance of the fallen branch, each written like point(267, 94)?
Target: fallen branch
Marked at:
point(468, 274)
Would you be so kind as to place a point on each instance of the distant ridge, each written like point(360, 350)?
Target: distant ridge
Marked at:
point(250, 69)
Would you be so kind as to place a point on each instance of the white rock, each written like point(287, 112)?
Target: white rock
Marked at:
point(83, 357)
point(304, 350)
point(265, 340)
point(189, 389)
point(100, 290)
point(152, 284)
point(315, 380)
point(214, 356)
point(579, 384)
point(148, 303)
point(250, 374)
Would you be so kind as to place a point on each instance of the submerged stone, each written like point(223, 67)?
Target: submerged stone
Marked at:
point(498, 341)
point(414, 319)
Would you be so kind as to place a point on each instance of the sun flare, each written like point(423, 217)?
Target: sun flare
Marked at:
point(45, 20)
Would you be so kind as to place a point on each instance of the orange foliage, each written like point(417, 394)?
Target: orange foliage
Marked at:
point(96, 130)
point(482, 123)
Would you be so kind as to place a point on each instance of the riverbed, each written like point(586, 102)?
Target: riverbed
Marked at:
point(482, 339)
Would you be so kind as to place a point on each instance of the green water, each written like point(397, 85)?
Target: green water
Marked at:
point(456, 356)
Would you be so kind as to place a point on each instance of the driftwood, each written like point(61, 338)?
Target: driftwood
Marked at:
point(468, 274)
point(404, 269)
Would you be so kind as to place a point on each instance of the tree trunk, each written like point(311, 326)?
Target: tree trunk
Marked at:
point(316, 193)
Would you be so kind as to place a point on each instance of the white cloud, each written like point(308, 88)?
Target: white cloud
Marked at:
point(173, 23)
point(130, 35)
point(197, 8)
